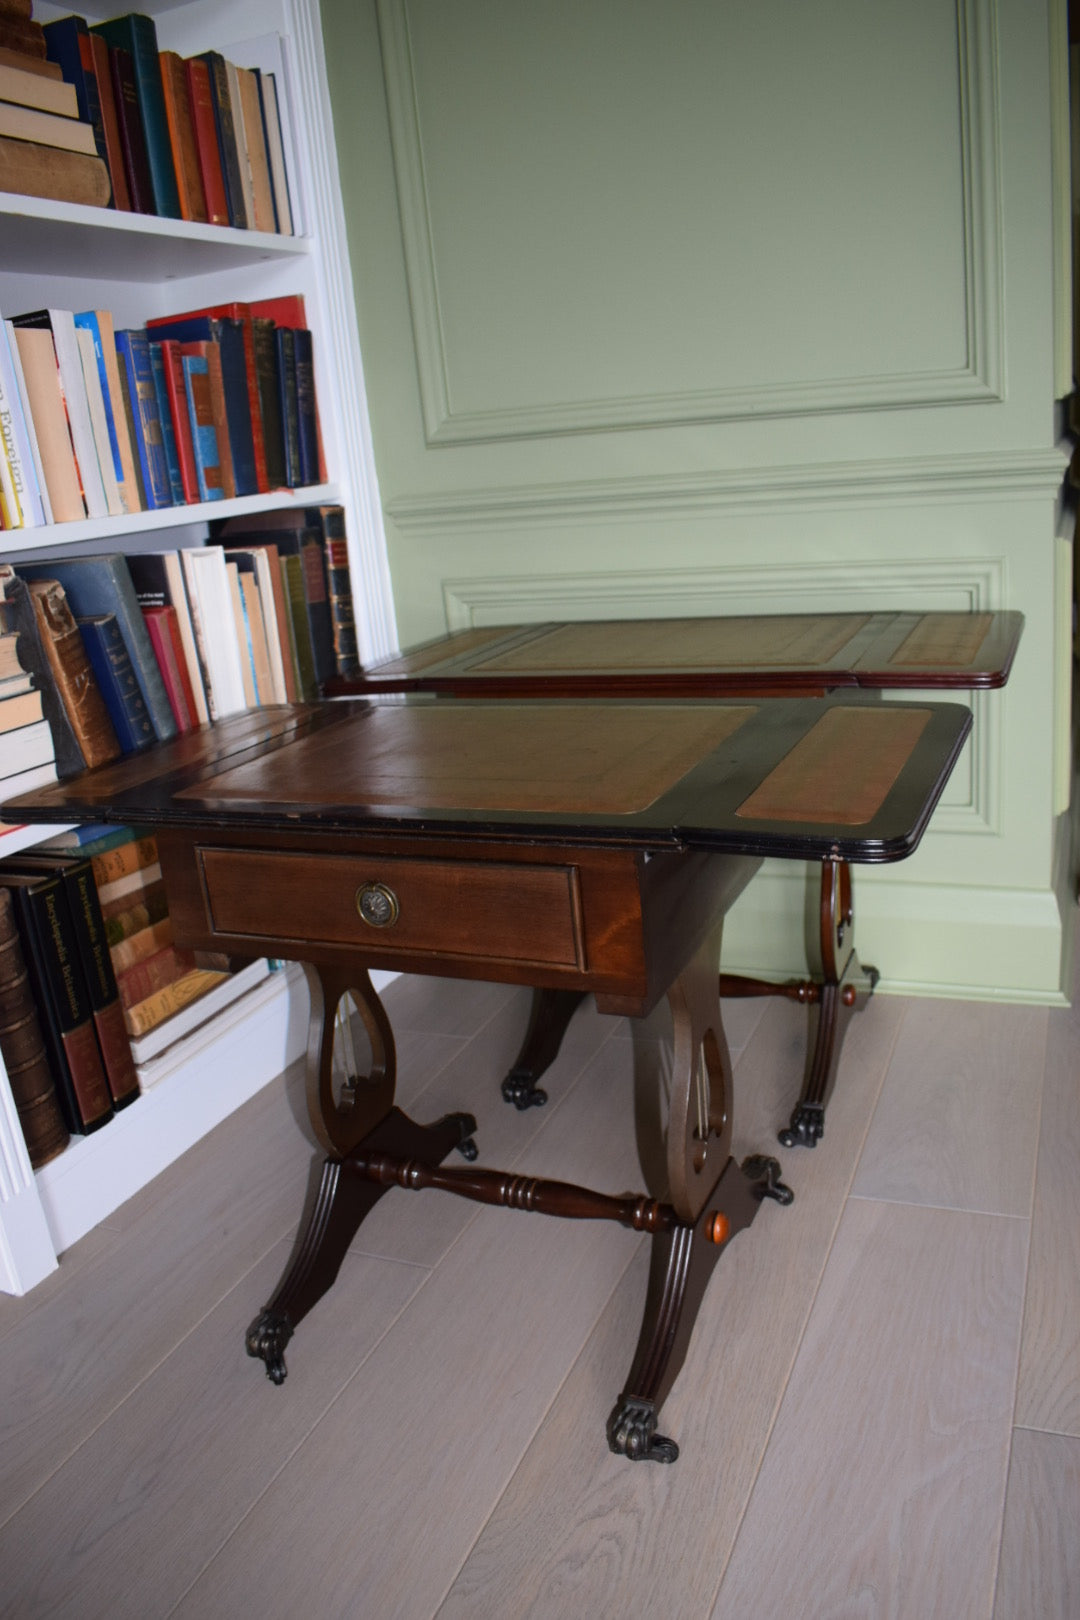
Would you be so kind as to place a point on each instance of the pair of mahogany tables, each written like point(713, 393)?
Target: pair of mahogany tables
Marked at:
point(572, 807)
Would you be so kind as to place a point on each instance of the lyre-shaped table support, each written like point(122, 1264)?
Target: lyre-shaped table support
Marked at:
point(841, 986)
point(374, 1146)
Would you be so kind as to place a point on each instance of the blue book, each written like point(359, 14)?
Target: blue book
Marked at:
point(133, 349)
point(117, 682)
point(96, 585)
point(136, 33)
point(88, 320)
point(168, 433)
point(229, 336)
point(204, 440)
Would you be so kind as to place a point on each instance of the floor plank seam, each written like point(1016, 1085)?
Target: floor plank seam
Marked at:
point(131, 1389)
point(302, 1441)
point(801, 1335)
point(527, 1447)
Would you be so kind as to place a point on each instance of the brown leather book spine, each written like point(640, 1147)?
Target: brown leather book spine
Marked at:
point(114, 147)
point(30, 64)
point(22, 1047)
point(178, 116)
point(221, 420)
point(132, 137)
point(31, 170)
point(22, 35)
point(72, 674)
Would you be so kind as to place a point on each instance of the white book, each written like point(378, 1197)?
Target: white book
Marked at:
point(28, 422)
point(16, 438)
point(179, 602)
point(210, 600)
point(276, 153)
point(69, 361)
point(25, 747)
point(99, 422)
point(27, 781)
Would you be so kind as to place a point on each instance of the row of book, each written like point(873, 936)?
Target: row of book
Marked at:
point(92, 987)
point(195, 407)
point(97, 114)
point(105, 655)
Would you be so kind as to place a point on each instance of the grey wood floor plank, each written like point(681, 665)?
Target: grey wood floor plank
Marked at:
point(431, 1005)
point(122, 1529)
point(70, 1362)
point(1048, 1388)
point(957, 1124)
point(407, 1467)
point(1039, 1574)
point(580, 1532)
point(882, 1489)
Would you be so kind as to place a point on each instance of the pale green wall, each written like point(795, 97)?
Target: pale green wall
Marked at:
point(712, 307)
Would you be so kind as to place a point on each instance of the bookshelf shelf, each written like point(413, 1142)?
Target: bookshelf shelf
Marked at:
point(138, 266)
point(65, 536)
point(111, 246)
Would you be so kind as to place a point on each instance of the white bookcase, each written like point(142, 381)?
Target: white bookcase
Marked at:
point(138, 266)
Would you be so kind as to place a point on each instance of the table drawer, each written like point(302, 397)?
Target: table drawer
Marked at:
point(521, 913)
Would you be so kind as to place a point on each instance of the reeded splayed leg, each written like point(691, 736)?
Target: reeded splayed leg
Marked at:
point(713, 1197)
point(357, 1111)
point(845, 987)
point(549, 1017)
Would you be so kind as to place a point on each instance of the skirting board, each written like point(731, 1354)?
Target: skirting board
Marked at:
point(926, 940)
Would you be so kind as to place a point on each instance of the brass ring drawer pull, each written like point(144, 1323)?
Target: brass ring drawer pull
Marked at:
point(377, 905)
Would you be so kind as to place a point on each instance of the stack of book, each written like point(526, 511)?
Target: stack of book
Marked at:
point(48, 146)
point(194, 407)
point(198, 139)
point(91, 983)
point(109, 654)
point(27, 750)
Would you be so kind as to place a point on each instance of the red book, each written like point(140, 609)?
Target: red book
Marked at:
point(181, 421)
point(164, 633)
point(241, 313)
point(114, 146)
point(206, 141)
point(287, 310)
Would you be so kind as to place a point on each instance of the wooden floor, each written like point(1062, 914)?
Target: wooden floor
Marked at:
point(880, 1414)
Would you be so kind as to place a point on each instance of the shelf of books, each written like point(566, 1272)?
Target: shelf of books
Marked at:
point(189, 527)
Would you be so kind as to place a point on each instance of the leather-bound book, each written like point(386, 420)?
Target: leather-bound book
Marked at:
point(189, 185)
point(130, 129)
point(17, 615)
point(56, 977)
point(88, 934)
point(110, 124)
point(22, 1047)
point(72, 674)
point(206, 141)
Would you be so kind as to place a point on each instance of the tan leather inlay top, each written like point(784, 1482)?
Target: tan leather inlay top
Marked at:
point(578, 759)
point(949, 639)
point(411, 663)
point(672, 644)
point(842, 770)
